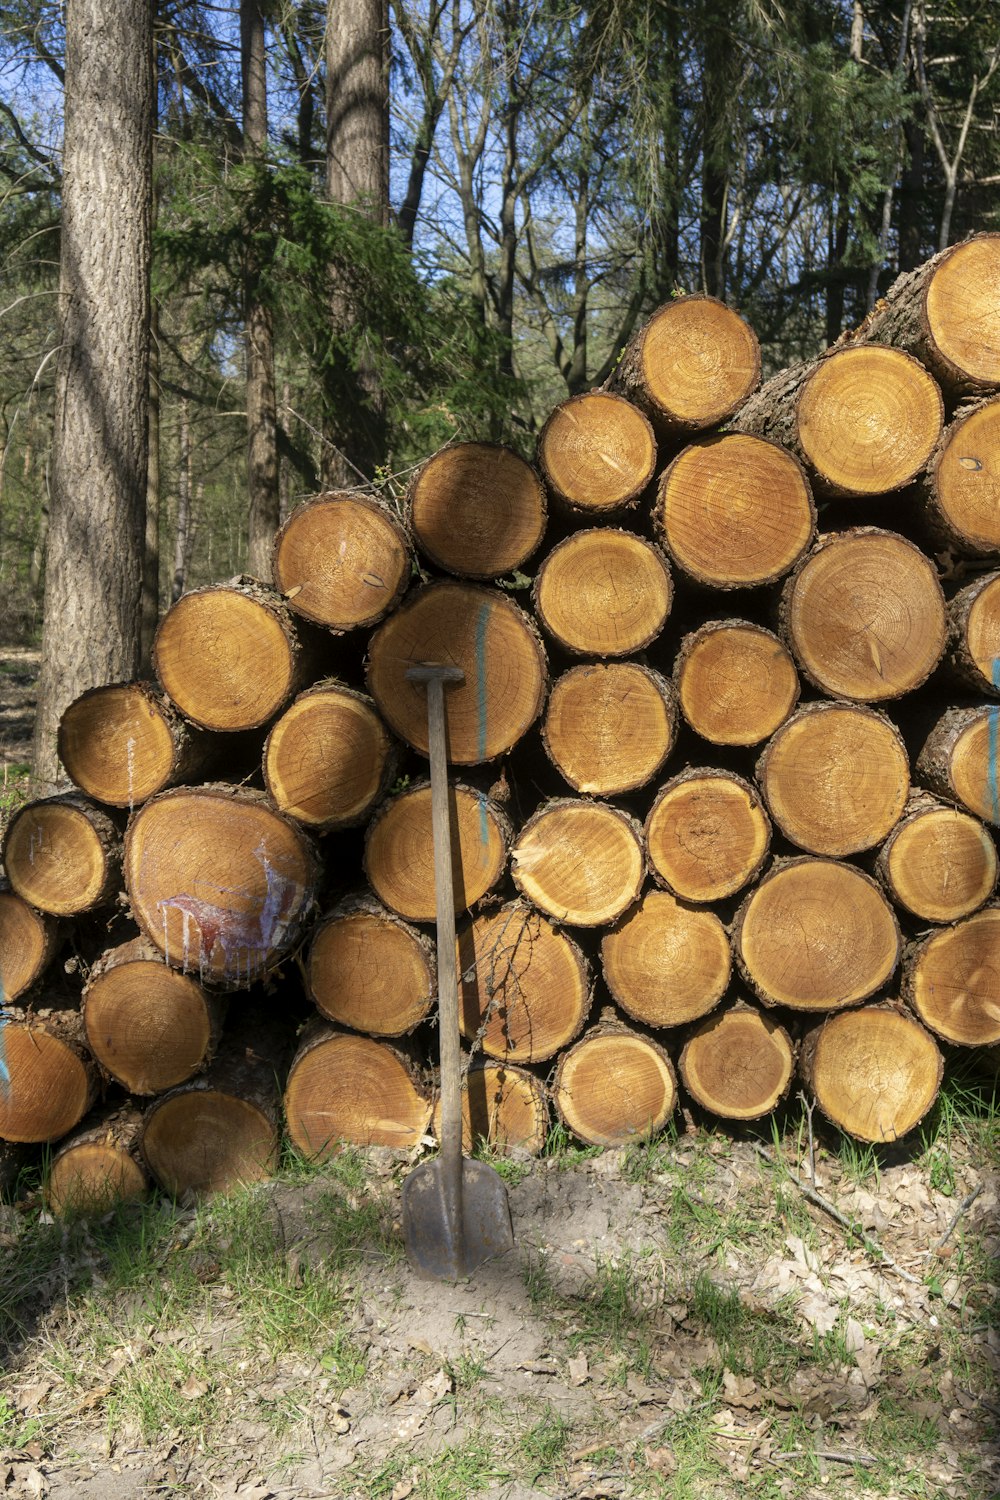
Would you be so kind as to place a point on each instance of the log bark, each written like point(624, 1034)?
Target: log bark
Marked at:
point(974, 635)
point(53, 1080)
point(736, 682)
point(614, 1087)
point(350, 1090)
point(219, 882)
point(734, 511)
point(369, 970)
point(952, 980)
point(485, 635)
point(863, 420)
point(579, 862)
point(960, 489)
point(329, 758)
point(707, 834)
point(690, 366)
point(525, 987)
point(27, 944)
point(63, 855)
point(739, 1064)
point(666, 964)
point(123, 743)
point(835, 777)
point(148, 1026)
point(864, 615)
point(609, 727)
point(477, 510)
point(221, 1130)
point(603, 592)
point(960, 758)
point(937, 863)
point(597, 453)
point(99, 1166)
point(230, 655)
point(946, 314)
point(502, 1107)
point(342, 560)
point(816, 935)
point(399, 850)
point(874, 1072)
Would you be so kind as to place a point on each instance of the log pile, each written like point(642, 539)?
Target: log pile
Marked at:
point(725, 780)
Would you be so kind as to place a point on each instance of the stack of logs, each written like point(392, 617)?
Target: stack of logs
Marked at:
point(721, 780)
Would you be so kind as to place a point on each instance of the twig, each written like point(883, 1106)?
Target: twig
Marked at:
point(809, 1106)
point(870, 1243)
point(832, 1455)
point(963, 1207)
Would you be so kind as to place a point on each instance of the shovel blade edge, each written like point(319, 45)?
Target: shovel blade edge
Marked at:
point(441, 1249)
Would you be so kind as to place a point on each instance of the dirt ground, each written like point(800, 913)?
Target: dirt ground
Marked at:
point(18, 674)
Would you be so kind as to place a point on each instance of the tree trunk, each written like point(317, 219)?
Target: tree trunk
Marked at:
point(666, 964)
point(874, 1072)
point(614, 1087)
point(609, 727)
point(580, 862)
point(369, 970)
point(262, 420)
point(735, 511)
point(736, 683)
point(603, 592)
point(707, 834)
point(93, 583)
point(738, 1065)
point(477, 510)
point(184, 526)
point(151, 551)
point(525, 986)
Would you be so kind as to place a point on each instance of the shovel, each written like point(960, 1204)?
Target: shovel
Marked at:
point(455, 1212)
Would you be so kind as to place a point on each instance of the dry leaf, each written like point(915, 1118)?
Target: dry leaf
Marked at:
point(578, 1370)
point(402, 1489)
point(193, 1388)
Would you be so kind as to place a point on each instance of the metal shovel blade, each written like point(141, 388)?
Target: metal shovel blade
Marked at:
point(436, 1244)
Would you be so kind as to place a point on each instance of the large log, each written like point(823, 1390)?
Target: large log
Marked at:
point(221, 1130)
point(614, 1087)
point(477, 509)
point(219, 881)
point(952, 980)
point(690, 366)
point(579, 862)
point(99, 1165)
point(864, 615)
point(525, 987)
point(665, 963)
point(960, 489)
point(492, 641)
point(230, 655)
point(125, 742)
point(947, 313)
point(27, 944)
point(734, 511)
point(63, 855)
point(610, 726)
point(329, 758)
point(960, 759)
point(597, 453)
point(342, 560)
point(344, 1089)
point(739, 1064)
point(735, 682)
point(399, 850)
point(149, 1027)
point(603, 592)
point(707, 834)
point(974, 635)
point(52, 1077)
point(369, 970)
point(816, 934)
point(835, 777)
point(938, 863)
point(874, 1072)
point(502, 1106)
point(864, 420)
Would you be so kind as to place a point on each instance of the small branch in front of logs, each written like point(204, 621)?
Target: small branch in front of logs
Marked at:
point(963, 1208)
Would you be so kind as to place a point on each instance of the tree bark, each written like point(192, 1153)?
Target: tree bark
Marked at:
point(93, 585)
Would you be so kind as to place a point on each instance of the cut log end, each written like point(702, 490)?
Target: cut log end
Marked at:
point(963, 318)
point(370, 971)
point(62, 855)
point(960, 760)
point(707, 834)
point(664, 964)
point(736, 682)
point(597, 452)
point(200, 1141)
point(580, 862)
point(399, 850)
point(875, 1072)
point(341, 561)
point(52, 1081)
point(477, 510)
point(608, 729)
point(614, 1087)
point(501, 1107)
point(98, 1167)
point(738, 1065)
point(350, 1090)
point(697, 361)
point(603, 592)
point(940, 864)
point(868, 419)
point(963, 489)
point(117, 744)
point(27, 943)
point(328, 758)
point(952, 980)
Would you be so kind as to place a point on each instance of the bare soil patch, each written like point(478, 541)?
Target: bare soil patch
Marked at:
point(19, 666)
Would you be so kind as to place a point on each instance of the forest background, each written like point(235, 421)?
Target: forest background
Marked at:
point(380, 225)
